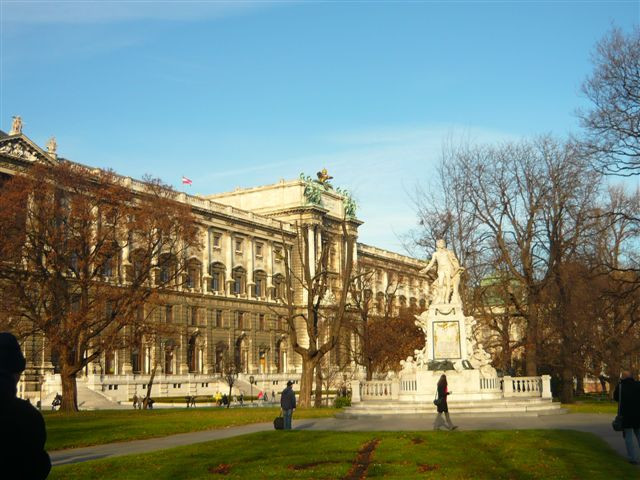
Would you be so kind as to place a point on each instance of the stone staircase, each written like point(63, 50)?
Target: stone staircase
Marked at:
point(87, 399)
point(534, 406)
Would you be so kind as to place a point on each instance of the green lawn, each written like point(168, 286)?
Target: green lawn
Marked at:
point(105, 426)
point(591, 407)
point(477, 455)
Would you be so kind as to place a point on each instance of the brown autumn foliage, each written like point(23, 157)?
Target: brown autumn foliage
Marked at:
point(84, 255)
point(393, 339)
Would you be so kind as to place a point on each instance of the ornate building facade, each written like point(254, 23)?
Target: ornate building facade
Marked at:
point(228, 304)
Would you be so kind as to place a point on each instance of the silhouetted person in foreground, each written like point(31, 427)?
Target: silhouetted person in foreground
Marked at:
point(288, 404)
point(627, 393)
point(442, 406)
point(22, 432)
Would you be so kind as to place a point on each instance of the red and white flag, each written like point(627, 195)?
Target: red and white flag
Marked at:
point(186, 181)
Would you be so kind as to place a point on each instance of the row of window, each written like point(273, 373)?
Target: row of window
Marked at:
point(258, 247)
point(241, 319)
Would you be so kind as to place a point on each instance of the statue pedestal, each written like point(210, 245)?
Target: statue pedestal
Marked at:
point(446, 333)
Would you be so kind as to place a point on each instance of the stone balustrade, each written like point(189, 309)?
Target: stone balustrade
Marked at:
point(379, 390)
point(408, 384)
point(527, 386)
point(490, 384)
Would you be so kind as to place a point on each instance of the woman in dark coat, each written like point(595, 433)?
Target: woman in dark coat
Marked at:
point(442, 406)
point(627, 394)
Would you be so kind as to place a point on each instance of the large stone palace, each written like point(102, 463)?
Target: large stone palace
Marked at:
point(228, 304)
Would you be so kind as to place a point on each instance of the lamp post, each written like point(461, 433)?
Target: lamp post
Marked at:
point(252, 381)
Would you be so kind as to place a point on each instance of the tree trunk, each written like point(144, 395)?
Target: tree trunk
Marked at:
point(531, 346)
point(369, 369)
point(306, 382)
point(69, 390)
point(566, 392)
point(580, 384)
point(318, 398)
point(145, 402)
point(229, 397)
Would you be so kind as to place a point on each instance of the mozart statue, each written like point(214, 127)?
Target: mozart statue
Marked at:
point(449, 271)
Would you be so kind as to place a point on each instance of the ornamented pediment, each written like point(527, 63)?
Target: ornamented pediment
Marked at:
point(20, 147)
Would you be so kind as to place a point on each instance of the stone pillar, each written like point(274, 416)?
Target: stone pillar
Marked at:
point(183, 367)
point(312, 248)
point(269, 267)
point(507, 386)
point(206, 261)
point(355, 391)
point(250, 280)
point(546, 387)
point(229, 266)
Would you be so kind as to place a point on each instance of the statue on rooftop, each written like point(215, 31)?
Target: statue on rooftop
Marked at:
point(52, 146)
point(16, 125)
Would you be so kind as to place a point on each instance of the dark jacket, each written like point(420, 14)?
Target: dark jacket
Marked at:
point(442, 394)
point(629, 399)
point(288, 399)
point(22, 436)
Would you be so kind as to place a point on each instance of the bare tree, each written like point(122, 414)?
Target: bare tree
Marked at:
point(315, 327)
point(612, 123)
point(230, 372)
point(82, 253)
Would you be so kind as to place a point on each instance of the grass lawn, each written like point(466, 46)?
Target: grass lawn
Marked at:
point(477, 455)
point(106, 426)
point(589, 407)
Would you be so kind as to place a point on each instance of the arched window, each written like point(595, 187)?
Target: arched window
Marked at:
point(260, 281)
point(216, 270)
point(192, 354)
point(192, 278)
point(167, 264)
point(278, 286)
point(169, 357)
point(239, 277)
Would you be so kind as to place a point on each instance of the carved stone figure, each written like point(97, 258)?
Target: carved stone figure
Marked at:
point(16, 125)
point(52, 146)
point(449, 271)
point(481, 360)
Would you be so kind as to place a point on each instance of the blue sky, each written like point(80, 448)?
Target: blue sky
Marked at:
point(244, 93)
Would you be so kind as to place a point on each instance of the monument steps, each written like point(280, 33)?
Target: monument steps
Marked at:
point(503, 407)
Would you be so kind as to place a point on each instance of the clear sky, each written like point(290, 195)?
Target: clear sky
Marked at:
point(245, 93)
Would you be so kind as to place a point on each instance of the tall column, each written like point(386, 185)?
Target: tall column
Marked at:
point(229, 266)
point(206, 260)
point(312, 248)
point(269, 266)
point(250, 280)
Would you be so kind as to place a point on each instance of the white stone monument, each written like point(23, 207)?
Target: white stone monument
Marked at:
point(450, 349)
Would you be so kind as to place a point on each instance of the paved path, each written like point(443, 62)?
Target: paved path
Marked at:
point(599, 424)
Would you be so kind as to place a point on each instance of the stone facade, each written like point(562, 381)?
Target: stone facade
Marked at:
point(228, 302)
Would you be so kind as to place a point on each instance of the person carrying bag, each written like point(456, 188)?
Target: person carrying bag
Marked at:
point(628, 418)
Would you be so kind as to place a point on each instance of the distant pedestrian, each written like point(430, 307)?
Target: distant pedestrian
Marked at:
point(288, 404)
point(23, 433)
point(135, 401)
point(273, 396)
point(225, 400)
point(193, 401)
point(57, 401)
point(260, 395)
point(627, 394)
point(241, 399)
point(442, 406)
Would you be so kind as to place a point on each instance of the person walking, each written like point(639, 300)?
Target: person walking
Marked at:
point(23, 433)
point(135, 401)
point(288, 404)
point(442, 406)
point(627, 394)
